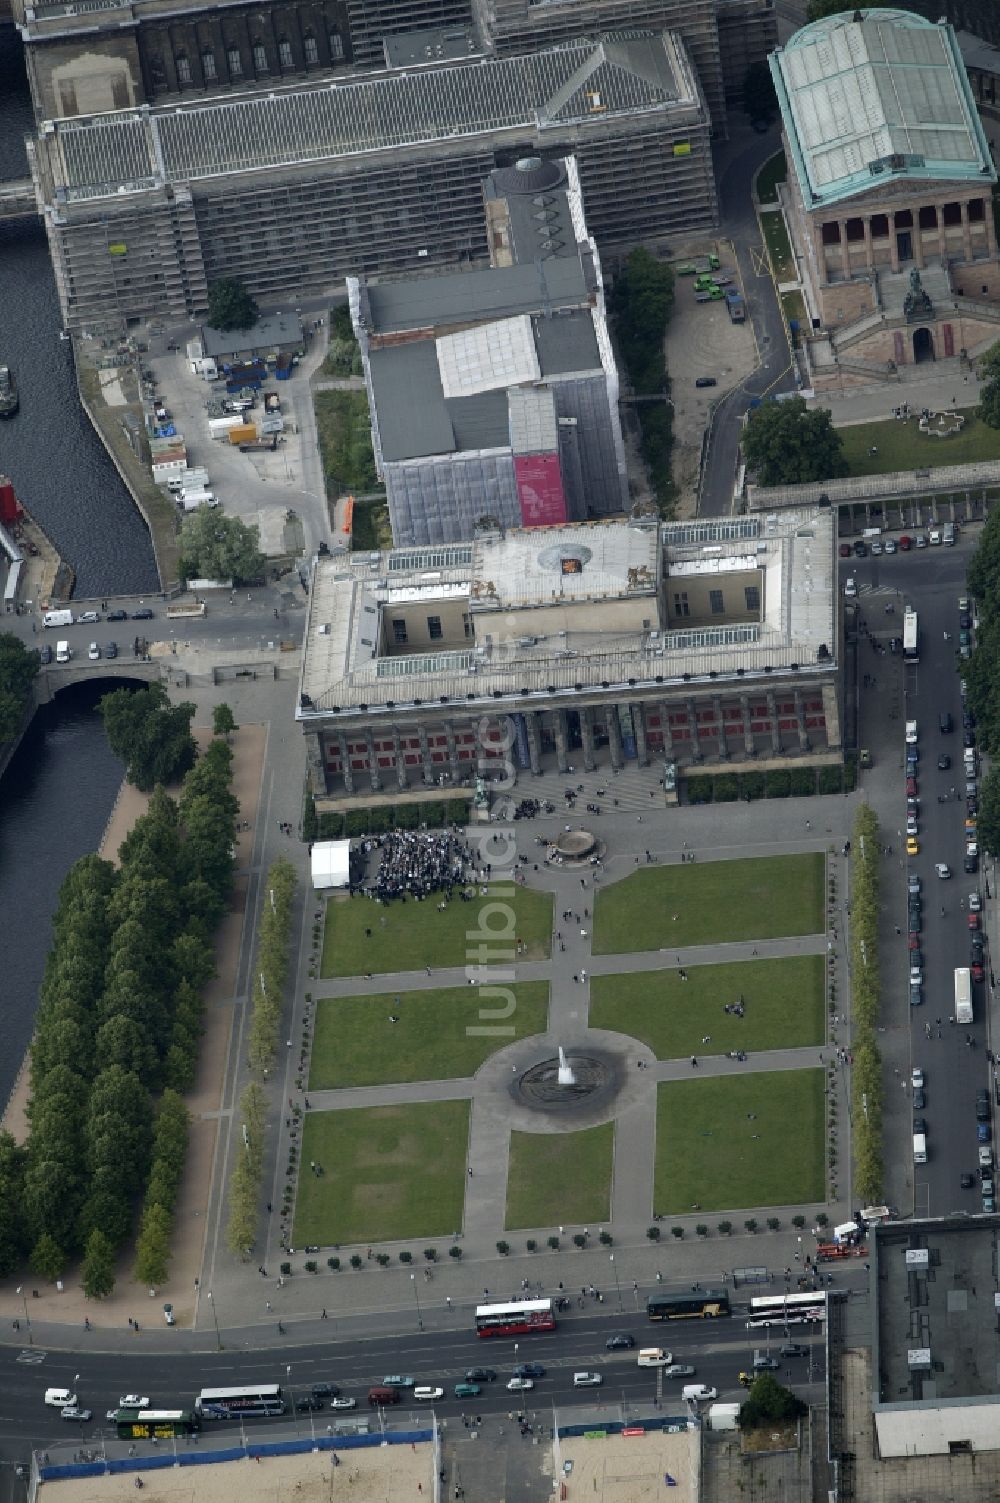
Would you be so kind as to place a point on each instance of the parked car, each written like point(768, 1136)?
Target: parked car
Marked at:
point(916, 995)
point(889, 546)
point(845, 550)
point(944, 762)
point(916, 1077)
point(116, 616)
point(919, 1101)
point(111, 649)
point(93, 652)
point(906, 542)
point(911, 786)
point(143, 615)
point(975, 901)
point(45, 655)
point(87, 618)
point(983, 1132)
point(912, 845)
point(850, 588)
point(860, 549)
point(706, 381)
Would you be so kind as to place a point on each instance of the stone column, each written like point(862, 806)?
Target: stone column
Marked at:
point(845, 255)
point(587, 738)
point(397, 752)
point(449, 736)
point(800, 716)
point(315, 764)
point(639, 725)
point(831, 714)
point(772, 711)
point(918, 241)
point(562, 757)
point(869, 253)
point(345, 763)
point(373, 767)
point(966, 231)
point(748, 746)
point(720, 721)
point(668, 737)
point(534, 741)
point(425, 755)
point(615, 738)
point(893, 244)
point(693, 723)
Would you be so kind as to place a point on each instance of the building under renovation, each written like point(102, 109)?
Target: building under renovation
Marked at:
point(294, 190)
point(697, 643)
point(494, 393)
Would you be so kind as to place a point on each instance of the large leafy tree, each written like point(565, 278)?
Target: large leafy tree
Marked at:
point(152, 736)
point(760, 101)
point(989, 390)
point(230, 305)
point(98, 1266)
point(18, 666)
point(218, 547)
point(786, 444)
point(769, 1402)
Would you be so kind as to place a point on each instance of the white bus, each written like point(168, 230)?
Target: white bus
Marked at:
point(911, 636)
point(239, 1403)
point(963, 994)
point(787, 1310)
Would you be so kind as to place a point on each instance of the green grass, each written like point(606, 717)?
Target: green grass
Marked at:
point(442, 1034)
point(776, 237)
point(745, 1140)
point(343, 427)
point(370, 527)
point(558, 1178)
point(795, 308)
point(770, 897)
point(783, 999)
point(901, 446)
point(774, 171)
point(409, 936)
point(390, 1172)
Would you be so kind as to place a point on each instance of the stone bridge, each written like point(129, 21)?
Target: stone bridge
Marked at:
point(56, 676)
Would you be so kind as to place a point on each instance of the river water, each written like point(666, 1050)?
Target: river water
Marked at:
point(57, 794)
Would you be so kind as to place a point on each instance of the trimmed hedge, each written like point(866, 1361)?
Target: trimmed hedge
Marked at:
point(779, 782)
point(379, 819)
point(866, 1074)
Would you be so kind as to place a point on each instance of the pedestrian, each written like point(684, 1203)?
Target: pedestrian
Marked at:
point(470, 1173)
point(323, 1315)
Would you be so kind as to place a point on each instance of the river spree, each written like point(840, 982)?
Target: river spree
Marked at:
point(57, 794)
point(56, 461)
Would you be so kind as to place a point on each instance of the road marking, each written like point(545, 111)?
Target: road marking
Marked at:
point(30, 1356)
point(759, 262)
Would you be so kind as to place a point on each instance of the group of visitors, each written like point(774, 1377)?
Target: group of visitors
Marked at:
point(418, 863)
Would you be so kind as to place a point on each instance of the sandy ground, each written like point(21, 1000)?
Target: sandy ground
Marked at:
point(204, 1101)
point(381, 1474)
point(632, 1468)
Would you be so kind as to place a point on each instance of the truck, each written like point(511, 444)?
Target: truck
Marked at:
point(919, 1148)
point(57, 618)
point(724, 1416)
point(221, 427)
point(699, 266)
point(191, 500)
point(963, 994)
point(187, 480)
point(735, 306)
point(244, 433)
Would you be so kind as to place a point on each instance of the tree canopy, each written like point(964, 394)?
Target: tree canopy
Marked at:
point(18, 666)
point(151, 736)
point(218, 547)
point(988, 367)
point(769, 1402)
point(230, 306)
point(786, 444)
point(760, 101)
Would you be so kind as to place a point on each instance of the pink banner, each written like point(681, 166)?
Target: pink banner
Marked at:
point(540, 490)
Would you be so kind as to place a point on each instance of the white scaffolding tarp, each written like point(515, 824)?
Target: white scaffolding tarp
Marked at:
point(331, 863)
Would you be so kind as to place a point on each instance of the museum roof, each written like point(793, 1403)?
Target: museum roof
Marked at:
point(938, 1302)
point(873, 97)
point(595, 565)
point(628, 74)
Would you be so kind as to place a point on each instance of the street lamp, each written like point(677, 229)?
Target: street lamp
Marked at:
point(215, 1317)
point(27, 1317)
point(618, 1286)
point(416, 1297)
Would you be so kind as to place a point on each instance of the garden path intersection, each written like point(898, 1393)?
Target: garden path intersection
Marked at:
point(575, 975)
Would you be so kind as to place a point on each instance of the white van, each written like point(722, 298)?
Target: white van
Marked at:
point(697, 1393)
point(919, 1148)
point(63, 653)
point(191, 500)
point(57, 618)
point(60, 1398)
point(948, 534)
point(654, 1356)
point(911, 733)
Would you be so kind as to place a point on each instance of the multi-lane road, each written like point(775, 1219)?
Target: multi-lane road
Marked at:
point(932, 581)
point(719, 1351)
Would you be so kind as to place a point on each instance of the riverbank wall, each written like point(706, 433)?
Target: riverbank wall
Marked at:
point(112, 426)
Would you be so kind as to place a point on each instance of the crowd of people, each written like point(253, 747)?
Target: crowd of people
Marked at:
point(418, 864)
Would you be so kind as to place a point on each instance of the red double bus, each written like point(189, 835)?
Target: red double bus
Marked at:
point(522, 1318)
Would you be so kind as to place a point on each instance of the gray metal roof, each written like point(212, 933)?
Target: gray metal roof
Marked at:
point(378, 112)
point(491, 292)
point(875, 100)
point(480, 422)
point(413, 420)
point(566, 343)
point(534, 426)
point(272, 332)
